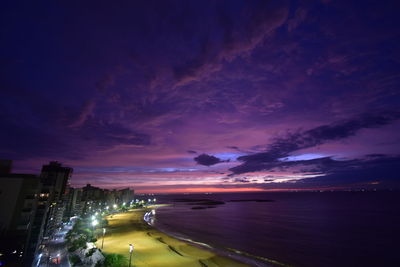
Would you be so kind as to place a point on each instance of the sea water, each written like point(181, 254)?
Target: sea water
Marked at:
point(294, 229)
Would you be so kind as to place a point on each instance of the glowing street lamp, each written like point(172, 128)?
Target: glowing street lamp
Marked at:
point(115, 206)
point(102, 242)
point(94, 223)
point(130, 254)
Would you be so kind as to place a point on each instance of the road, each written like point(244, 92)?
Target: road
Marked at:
point(55, 252)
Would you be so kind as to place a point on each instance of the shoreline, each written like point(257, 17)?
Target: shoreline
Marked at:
point(153, 247)
point(237, 255)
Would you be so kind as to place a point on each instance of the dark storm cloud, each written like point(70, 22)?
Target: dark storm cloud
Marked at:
point(370, 171)
point(323, 165)
point(282, 147)
point(207, 160)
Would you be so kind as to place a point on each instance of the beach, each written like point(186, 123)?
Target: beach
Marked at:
point(153, 248)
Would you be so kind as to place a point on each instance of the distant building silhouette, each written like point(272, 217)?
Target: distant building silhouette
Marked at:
point(97, 198)
point(5, 166)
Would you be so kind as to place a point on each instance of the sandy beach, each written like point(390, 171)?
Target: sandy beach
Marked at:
point(153, 248)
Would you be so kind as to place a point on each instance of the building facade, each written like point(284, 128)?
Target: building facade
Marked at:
point(19, 195)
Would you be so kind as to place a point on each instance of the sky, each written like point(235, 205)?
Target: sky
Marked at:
point(203, 96)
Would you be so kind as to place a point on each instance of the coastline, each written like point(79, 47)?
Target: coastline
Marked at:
point(153, 248)
point(240, 256)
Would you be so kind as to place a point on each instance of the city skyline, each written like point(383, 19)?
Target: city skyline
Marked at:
point(204, 96)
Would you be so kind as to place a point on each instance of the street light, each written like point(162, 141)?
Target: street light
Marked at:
point(102, 242)
point(39, 258)
point(115, 206)
point(130, 254)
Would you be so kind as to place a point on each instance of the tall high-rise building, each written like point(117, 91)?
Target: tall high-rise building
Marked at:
point(55, 179)
point(18, 203)
point(51, 204)
point(74, 203)
point(127, 195)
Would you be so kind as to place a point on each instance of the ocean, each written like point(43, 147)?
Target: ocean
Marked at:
point(290, 228)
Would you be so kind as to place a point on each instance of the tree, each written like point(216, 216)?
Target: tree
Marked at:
point(104, 223)
point(78, 243)
point(115, 260)
point(75, 260)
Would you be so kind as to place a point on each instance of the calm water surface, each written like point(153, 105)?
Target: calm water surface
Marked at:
point(299, 229)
